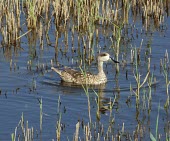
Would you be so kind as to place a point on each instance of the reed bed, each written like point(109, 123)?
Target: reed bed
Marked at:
point(21, 18)
point(35, 21)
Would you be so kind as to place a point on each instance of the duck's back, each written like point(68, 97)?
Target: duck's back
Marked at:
point(74, 76)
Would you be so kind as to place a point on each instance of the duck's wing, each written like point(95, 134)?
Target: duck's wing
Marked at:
point(68, 75)
point(74, 73)
point(76, 76)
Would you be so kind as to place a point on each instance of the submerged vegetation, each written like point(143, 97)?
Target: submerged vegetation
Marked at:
point(81, 29)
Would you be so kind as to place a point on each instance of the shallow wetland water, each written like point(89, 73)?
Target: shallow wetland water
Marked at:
point(115, 111)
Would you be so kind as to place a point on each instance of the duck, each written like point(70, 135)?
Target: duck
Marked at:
point(80, 78)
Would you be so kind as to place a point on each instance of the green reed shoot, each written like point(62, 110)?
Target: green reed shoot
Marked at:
point(156, 130)
point(41, 115)
point(98, 105)
point(137, 76)
point(22, 121)
point(117, 47)
point(34, 84)
point(31, 14)
point(59, 101)
point(86, 90)
point(167, 82)
point(58, 124)
point(13, 137)
point(150, 82)
point(111, 107)
point(144, 99)
point(58, 128)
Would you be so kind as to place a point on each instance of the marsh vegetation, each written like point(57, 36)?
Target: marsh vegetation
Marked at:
point(38, 34)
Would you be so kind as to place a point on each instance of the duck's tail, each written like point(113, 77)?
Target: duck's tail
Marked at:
point(56, 70)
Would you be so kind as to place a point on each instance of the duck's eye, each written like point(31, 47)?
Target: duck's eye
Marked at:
point(103, 54)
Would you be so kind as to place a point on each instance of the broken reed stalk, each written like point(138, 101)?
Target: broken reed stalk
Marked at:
point(26, 132)
point(76, 137)
point(137, 76)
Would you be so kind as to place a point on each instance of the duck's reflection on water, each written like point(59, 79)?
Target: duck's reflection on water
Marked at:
point(104, 103)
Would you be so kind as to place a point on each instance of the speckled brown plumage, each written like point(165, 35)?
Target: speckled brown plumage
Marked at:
point(74, 76)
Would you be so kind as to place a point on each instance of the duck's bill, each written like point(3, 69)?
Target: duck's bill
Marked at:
point(114, 60)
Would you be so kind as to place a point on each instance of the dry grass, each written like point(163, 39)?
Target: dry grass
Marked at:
point(39, 15)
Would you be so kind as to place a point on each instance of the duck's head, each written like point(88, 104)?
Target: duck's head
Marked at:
point(105, 57)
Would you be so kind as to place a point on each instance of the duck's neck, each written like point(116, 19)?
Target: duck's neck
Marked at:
point(100, 67)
